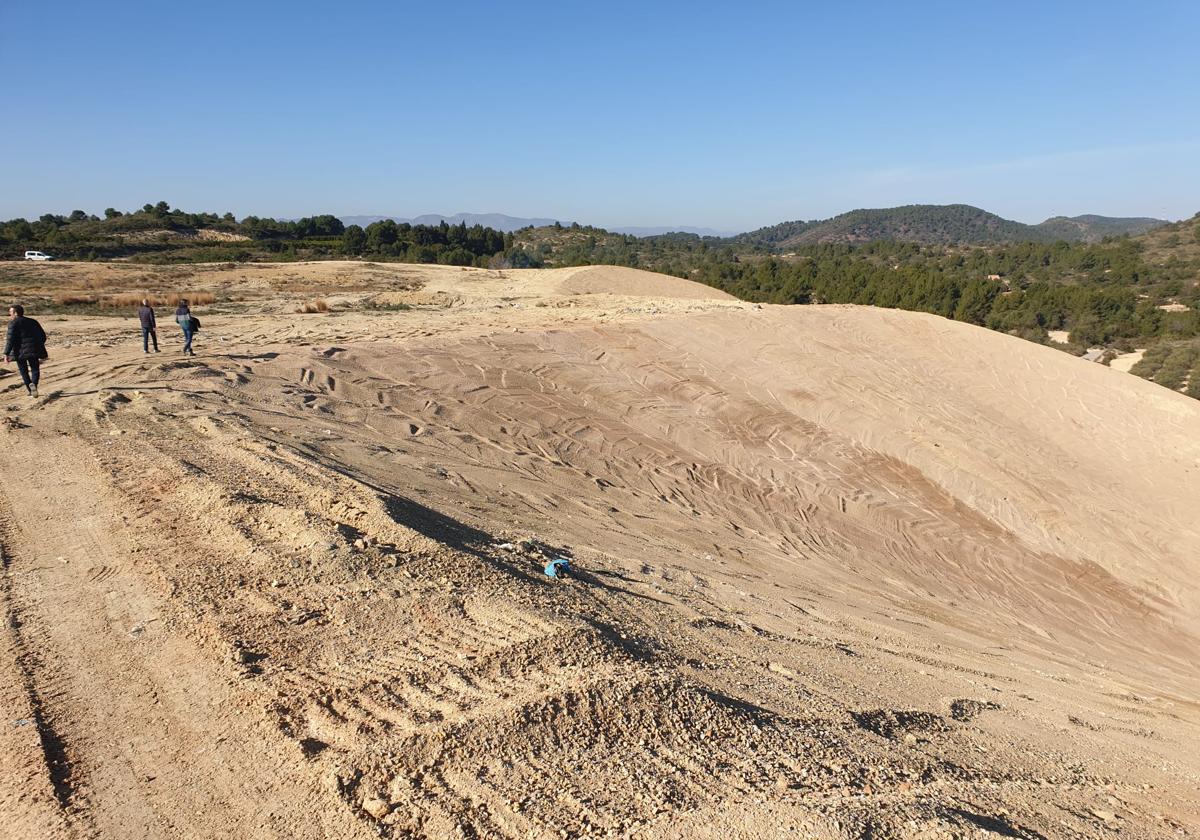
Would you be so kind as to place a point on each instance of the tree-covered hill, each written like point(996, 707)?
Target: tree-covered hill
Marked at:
point(929, 224)
point(775, 236)
point(1092, 228)
point(1173, 244)
point(939, 224)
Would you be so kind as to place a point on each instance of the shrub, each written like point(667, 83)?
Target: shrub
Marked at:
point(193, 298)
point(72, 299)
point(313, 306)
point(129, 300)
point(1193, 388)
point(389, 307)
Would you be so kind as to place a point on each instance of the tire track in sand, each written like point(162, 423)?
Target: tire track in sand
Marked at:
point(30, 700)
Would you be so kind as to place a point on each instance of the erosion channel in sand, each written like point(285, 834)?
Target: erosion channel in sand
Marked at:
point(838, 571)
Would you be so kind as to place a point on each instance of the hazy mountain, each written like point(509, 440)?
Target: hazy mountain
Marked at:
point(496, 221)
point(940, 224)
point(499, 221)
point(1092, 228)
point(659, 231)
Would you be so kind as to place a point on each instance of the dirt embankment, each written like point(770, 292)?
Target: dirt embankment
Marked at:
point(839, 572)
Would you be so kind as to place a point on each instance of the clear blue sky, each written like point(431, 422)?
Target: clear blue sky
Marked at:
point(728, 115)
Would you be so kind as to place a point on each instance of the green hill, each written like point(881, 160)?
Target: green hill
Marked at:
point(939, 224)
point(1091, 228)
point(927, 224)
point(774, 236)
point(1174, 244)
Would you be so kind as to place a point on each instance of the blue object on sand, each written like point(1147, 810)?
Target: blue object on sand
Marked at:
point(558, 568)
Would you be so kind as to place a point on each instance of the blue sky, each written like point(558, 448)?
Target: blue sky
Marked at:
point(724, 115)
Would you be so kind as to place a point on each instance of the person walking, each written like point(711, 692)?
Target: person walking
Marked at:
point(26, 344)
point(149, 326)
point(185, 319)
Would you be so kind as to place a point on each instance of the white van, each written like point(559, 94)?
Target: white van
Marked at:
point(37, 255)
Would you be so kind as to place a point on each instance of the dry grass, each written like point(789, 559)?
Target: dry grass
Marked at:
point(100, 282)
point(130, 300)
point(313, 306)
point(74, 299)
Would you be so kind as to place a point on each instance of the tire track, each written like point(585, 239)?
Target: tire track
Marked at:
point(40, 688)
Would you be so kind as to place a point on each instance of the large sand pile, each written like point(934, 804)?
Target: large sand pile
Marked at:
point(610, 280)
point(840, 572)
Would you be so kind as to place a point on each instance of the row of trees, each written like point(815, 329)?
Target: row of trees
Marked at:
point(157, 232)
point(1095, 313)
point(444, 243)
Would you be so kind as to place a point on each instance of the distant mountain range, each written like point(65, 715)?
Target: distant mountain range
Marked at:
point(659, 231)
point(501, 222)
point(496, 221)
point(932, 224)
point(941, 224)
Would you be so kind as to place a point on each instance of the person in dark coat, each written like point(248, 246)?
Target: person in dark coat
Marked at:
point(183, 317)
point(149, 326)
point(26, 344)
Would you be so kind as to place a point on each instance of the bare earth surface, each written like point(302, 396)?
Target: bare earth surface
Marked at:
point(839, 572)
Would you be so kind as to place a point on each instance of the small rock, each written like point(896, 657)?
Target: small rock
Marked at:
point(376, 807)
point(782, 670)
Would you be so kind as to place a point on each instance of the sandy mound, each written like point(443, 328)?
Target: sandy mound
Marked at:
point(633, 282)
point(838, 572)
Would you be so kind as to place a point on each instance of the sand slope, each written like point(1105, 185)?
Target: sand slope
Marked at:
point(841, 572)
point(610, 280)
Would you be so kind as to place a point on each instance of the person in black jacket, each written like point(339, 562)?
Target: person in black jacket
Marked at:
point(149, 326)
point(26, 343)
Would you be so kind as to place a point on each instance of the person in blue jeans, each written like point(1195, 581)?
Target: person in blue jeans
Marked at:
point(149, 326)
point(183, 317)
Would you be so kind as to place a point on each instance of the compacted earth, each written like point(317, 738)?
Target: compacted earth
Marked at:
point(835, 572)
